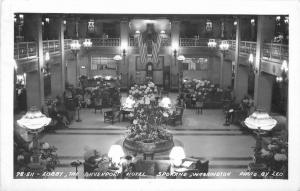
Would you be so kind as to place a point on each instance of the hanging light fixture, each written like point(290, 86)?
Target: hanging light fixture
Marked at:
point(224, 46)
point(278, 18)
point(212, 43)
point(47, 20)
point(75, 45)
point(286, 20)
point(87, 43)
point(252, 22)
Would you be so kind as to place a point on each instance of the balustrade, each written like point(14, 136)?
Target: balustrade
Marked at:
point(165, 41)
point(105, 42)
point(26, 50)
point(193, 42)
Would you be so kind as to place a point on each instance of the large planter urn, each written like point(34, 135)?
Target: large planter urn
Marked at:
point(148, 146)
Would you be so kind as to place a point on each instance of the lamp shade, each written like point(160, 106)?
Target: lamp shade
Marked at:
point(165, 102)
point(129, 102)
point(260, 120)
point(33, 120)
point(181, 58)
point(176, 155)
point(117, 57)
point(115, 153)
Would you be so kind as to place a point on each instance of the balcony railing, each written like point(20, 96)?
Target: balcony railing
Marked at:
point(27, 50)
point(165, 41)
point(193, 42)
point(270, 50)
point(275, 51)
point(105, 42)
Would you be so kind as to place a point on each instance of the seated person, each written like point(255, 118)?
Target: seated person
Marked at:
point(61, 109)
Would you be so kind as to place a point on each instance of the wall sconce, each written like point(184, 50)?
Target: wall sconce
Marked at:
point(21, 16)
point(47, 20)
point(65, 22)
point(252, 22)
point(284, 72)
point(251, 64)
point(235, 23)
point(47, 56)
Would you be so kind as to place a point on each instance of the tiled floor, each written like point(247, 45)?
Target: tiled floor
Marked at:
point(226, 147)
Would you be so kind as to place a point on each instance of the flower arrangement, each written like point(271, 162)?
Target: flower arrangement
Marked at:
point(48, 158)
point(201, 89)
point(148, 117)
point(273, 154)
point(139, 91)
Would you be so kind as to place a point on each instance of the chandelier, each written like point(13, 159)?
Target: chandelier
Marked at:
point(87, 43)
point(75, 45)
point(224, 45)
point(212, 43)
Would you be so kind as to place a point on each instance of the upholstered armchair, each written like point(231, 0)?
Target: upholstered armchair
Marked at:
point(176, 118)
point(113, 115)
point(98, 104)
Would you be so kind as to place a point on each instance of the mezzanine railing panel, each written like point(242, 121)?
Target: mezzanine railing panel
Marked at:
point(165, 41)
point(193, 42)
point(105, 42)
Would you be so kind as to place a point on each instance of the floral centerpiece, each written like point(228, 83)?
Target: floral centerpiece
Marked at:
point(201, 90)
point(139, 91)
point(148, 118)
point(274, 155)
point(48, 158)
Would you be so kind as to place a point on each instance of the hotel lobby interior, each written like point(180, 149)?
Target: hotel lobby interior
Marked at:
point(137, 96)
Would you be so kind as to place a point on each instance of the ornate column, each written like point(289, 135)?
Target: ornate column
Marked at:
point(263, 83)
point(237, 82)
point(175, 38)
point(58, 68)
point(124, 67)
point(35, 79)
